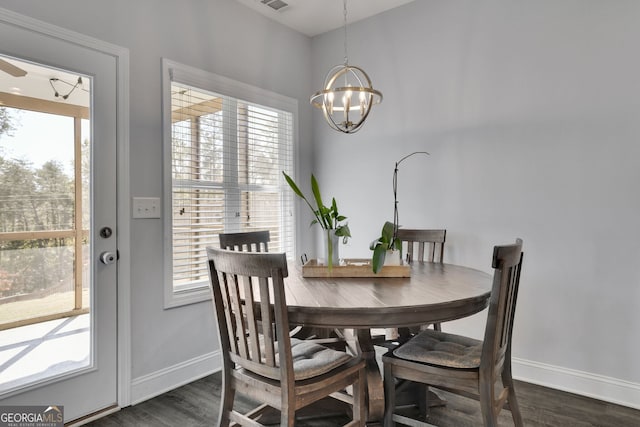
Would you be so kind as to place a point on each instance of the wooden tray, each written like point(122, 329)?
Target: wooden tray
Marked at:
point(353, 268)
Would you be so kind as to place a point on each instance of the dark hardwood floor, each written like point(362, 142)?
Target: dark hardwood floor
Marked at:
point(196, 404)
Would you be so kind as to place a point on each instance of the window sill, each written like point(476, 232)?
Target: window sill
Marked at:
point(187, 296)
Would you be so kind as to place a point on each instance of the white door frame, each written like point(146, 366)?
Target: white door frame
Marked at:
point(121, 56)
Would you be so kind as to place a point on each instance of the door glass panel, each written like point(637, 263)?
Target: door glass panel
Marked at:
point(45, 270)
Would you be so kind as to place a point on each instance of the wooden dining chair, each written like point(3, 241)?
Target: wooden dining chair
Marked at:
point(249, 241)
point(460, 364)
point(270, 367)
point(429, 242)
point(416, 243)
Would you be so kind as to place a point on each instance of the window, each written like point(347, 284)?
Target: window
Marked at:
point(226, 145)
point(44, 209)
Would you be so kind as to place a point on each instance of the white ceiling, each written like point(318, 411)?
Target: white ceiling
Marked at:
point(313, 17)
point(310, 17)
point(43, 82)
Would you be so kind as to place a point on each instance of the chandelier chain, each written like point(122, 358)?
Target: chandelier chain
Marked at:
point(346, 60)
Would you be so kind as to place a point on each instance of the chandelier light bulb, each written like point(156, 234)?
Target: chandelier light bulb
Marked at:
point(363, 103)
point(328, 101)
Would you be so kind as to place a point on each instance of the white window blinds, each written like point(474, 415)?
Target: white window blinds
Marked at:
point(227, 158)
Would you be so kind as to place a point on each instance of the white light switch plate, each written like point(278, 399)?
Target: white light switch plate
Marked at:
point(146, 207)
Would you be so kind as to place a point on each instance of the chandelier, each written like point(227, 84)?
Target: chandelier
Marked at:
point(348, 95)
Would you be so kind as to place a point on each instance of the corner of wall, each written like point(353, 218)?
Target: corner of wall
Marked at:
point(167, 379)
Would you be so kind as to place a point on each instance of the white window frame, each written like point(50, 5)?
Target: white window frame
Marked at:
point(174, 71)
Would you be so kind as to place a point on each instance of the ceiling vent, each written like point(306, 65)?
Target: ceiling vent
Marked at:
point(275, 4)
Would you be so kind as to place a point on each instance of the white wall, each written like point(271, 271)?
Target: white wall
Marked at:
point(219, 36)
point(530, 111)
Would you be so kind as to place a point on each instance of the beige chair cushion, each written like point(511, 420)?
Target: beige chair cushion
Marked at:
point(312, 359)
point(442, 349)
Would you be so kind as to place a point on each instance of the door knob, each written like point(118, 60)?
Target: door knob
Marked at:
point(108, 257)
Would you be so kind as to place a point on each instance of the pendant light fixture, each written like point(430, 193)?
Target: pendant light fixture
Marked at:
point(348, 95)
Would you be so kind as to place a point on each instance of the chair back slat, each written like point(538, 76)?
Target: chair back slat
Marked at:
point(250, 241)
point(250, 318)
point(237, 311)
point(244, 284)
point(430, 242)
point(235, 328)
point(507, 262)
point(509, 305)
point(268, 322)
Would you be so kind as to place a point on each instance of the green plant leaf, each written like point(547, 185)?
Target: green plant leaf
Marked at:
point(382, 244)
point(293, 185)
point(377, 261)
point(387, 231)
point(297, 191)
point(315, 188)
point(323, 217)
point(327, 217)
point(343, 231)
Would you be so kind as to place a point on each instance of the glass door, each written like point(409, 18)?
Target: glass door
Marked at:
point(58, 249)
point(44, 237)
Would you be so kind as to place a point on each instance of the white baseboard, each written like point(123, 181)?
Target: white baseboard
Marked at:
point(595, 386)
point(156, 383)
point(587, 384)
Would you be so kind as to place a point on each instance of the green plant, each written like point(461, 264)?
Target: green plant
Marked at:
point(327, 217)
point(387, 241)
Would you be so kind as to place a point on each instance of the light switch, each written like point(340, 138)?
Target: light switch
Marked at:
point(146, 207)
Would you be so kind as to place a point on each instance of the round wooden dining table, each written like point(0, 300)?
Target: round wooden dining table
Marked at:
point(434, 292)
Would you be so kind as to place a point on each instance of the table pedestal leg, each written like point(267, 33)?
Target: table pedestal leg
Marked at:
point(375, 389)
